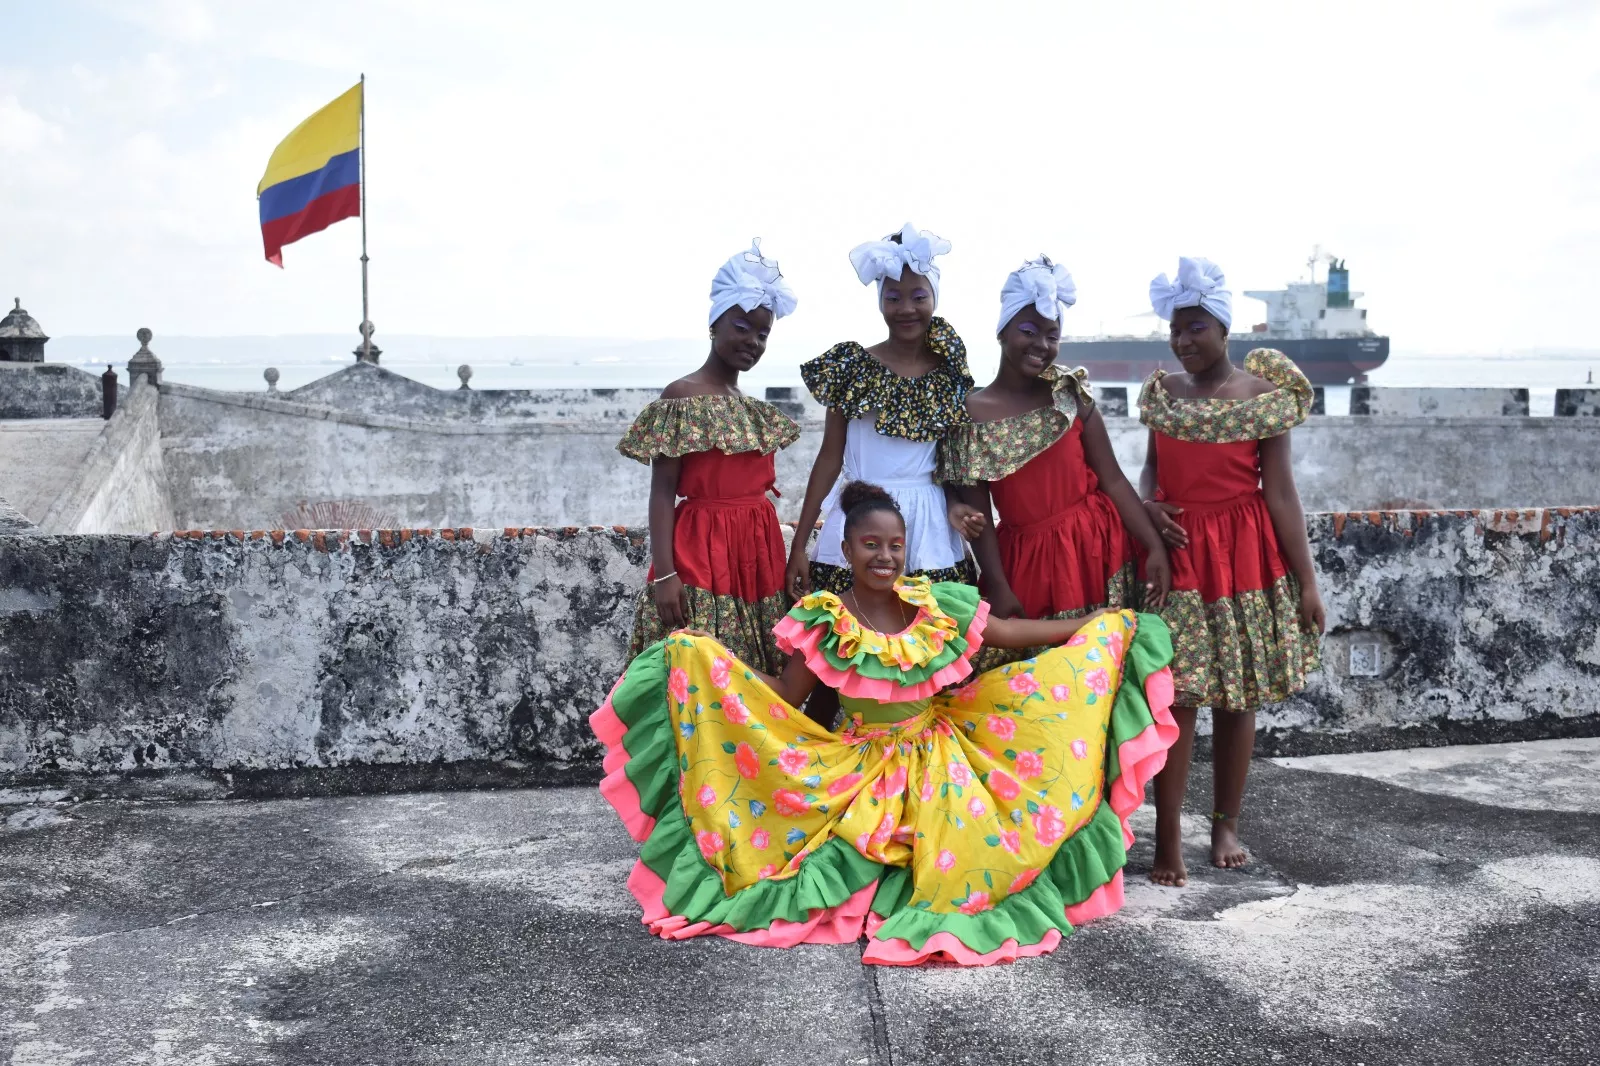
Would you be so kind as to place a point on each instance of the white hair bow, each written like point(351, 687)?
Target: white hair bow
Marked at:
point(1047, 286)
point(1199, 284)
point(876, 260)
point(750, 280)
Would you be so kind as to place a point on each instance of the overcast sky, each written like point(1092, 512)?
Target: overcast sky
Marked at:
point(582, 169)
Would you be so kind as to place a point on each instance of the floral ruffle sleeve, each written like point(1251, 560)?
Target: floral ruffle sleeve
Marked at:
point(934, 651)
point(730, 424)
point(991, 451)
point(846, 378)
point(1226, 421)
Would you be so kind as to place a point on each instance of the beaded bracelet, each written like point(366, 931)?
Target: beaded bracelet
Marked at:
point(664, 577)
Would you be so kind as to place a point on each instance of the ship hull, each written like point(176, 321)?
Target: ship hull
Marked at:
point(1325, 360)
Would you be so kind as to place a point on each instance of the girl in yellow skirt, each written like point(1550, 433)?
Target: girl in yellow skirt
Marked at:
point(967, 819)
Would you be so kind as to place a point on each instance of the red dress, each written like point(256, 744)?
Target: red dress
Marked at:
point(1233, 546)
point(1234, 608)
point(725, 535)
point(1062, 543)
point(727, 546)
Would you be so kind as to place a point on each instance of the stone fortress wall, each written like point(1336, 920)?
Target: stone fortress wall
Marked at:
point(273, 650)
point(1462, 591)
point(405, 454)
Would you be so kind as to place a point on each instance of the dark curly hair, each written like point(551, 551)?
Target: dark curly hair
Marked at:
point(861, 498)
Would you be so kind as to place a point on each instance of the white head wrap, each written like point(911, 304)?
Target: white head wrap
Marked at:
point(877, 260)
point(751, 281)
point(1200, 284)
point(1047, 286)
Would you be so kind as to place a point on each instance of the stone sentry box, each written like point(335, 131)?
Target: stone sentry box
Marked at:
point(21, 338)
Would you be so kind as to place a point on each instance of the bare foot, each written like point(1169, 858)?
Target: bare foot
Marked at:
point(1226, 851)
point(1169, 869)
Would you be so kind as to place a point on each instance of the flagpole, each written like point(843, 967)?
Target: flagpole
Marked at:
point(366, 330)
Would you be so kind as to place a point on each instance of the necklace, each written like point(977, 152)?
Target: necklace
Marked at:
point(1218, 387)
point(901, 604)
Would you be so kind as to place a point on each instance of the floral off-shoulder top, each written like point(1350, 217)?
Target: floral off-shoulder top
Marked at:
point(730, 424)
point(977, 452)
point(1229, 421)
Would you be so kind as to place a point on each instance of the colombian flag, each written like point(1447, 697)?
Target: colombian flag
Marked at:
point(314, 177)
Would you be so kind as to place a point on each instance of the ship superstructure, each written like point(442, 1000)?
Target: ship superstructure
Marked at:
point(1315, 323)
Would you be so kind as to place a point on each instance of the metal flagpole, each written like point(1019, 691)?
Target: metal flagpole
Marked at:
point(366, 328)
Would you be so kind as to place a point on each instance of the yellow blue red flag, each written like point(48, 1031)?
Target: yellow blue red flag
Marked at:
point(314, 177)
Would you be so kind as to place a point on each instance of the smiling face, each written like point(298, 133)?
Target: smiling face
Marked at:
point(907, 305)
point(1198, 339)
point(739, 337)
point(875, 548)
point(1030, 342)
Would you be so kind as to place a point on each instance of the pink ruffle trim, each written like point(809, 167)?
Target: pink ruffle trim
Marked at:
point(1142, 757)
point(795, 636)
point(615, 786)
point(831, 925)
point(826, 925)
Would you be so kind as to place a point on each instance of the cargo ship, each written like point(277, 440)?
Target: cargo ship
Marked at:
point(1315, 323)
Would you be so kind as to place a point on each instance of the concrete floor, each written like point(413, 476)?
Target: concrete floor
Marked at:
point(1408, 907)
point(39, 457)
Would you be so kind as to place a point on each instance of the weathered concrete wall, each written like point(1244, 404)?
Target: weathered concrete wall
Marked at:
point(1437, 402)
point(1580, 402)
point(126, 652)
point(49, 390)
point(265, 650)
point(13, 522)
point(39, 457)
point(247, 460)
point(1445, 625)
point(1366, 463)
point(121, 487)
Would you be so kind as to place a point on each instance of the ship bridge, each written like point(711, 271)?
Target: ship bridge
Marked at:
point(1314, 308)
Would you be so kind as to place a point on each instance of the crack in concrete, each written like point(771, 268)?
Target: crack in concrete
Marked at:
point(882, 1047)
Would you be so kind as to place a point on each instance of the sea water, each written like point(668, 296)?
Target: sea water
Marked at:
point(237, 364)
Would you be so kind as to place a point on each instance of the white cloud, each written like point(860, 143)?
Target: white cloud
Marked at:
point(180, 21)
point(22, 131)
point(517, 152)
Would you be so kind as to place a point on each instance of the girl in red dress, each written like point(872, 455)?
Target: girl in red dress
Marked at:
point(1244, 610)
point(717, 557)
point(1037, 449)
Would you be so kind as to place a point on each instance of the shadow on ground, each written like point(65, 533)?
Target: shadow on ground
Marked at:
point(1378, 924)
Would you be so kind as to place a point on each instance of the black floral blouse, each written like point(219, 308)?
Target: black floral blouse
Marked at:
point(848, 379)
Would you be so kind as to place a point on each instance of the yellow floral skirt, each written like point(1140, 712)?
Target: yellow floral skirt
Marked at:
point(981, 830)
